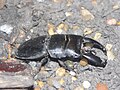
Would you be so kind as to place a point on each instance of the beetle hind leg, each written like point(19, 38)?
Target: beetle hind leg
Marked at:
point(93, 44)
point(94, 60)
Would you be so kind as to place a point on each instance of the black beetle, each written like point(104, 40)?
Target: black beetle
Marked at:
point(61, 47)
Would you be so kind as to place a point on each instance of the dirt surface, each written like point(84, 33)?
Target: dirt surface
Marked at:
point(21, 20)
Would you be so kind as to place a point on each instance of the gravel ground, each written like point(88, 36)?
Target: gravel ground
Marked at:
point(21, 20)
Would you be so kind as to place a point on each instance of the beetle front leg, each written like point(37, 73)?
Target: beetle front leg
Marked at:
point(94, 44)
point(94, 60)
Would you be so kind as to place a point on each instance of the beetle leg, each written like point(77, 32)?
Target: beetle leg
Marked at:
point(40, 63)
point(94, 60)
point(94, 44)
point(44, 61)
point(63, 64)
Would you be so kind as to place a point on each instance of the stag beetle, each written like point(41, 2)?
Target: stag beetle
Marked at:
point(61, 47)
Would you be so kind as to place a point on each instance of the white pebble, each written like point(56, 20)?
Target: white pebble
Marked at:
point(110, 55)
point(72, 73)
point(68, 14)
point(86, 84)
point(40, 0)
point(111, 21)
point(109, 47)
point(6, 28)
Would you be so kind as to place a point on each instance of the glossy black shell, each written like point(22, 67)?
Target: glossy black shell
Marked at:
point(55, 46)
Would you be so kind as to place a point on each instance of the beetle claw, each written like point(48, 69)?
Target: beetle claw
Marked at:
point(94, 44)
point(94, 60)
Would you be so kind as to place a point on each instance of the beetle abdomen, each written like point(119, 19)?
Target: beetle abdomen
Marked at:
point(32, 49)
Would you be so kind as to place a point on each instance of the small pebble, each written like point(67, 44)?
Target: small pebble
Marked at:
point(21, 34)
point(60, 72)
point(94, 2)
point(74, 79)
point(111, 21)
point(31, 30)
point(110, 55)
point(37, 88)
point(84, 62)
point(79, 88)
point(2, 3)
point(87, 15)
point(61, 81)
point(40, 0)
point(6, 28)
point(69, 2)
point(101, 86)
point(66, 27)
point(87, 31)
point(57, 1)
point(75, 27)
point(72, 73)
point(118, 23)
point(51, 29)
point(69, 63)
point(62, 26)
point(97, 36)
point(67, 14)
point(116, 7)
point(40, 84)
point(109, 47)
point(86, 84)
